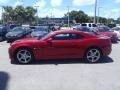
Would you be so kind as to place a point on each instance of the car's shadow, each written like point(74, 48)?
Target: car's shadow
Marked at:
point(103, 60)
point(116, 42)
point(4, 78)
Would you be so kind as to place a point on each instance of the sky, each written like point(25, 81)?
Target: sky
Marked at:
point(57, 8)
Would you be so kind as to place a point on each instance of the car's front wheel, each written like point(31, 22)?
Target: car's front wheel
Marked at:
point(24, 56)
point(93, 55)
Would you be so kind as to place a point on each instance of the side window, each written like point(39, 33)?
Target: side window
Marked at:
point(75, 36)
point(89, 25)
point(67, 37)
point(61, 37)
point(83, 24)
point(93, 25)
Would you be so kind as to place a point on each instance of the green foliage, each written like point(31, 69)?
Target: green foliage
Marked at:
point(26, 15)
point(19, 14)
point(118, 20)
point(79, 16)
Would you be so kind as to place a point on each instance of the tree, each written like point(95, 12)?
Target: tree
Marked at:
point(79, 16)
point(103, 20)
point(19, 15)
point(8, 15)
point(118, 20)
point(30, 14)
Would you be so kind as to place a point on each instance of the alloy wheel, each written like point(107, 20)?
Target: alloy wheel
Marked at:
point(24, 56)
point(93, 55)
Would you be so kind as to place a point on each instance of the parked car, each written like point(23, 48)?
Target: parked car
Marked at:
point(3, 31)
point(74, 26)
point(17, 33)
point(106, 31)
point(57, 26)
point(85, 29)
point(40, 31)
point(89, 25)
point(11, 26)
point(60, 45)
point(54, 27)
point(1, 36)
point(117, 30)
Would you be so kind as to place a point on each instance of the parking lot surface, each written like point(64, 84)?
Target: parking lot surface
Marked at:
point(60, 74)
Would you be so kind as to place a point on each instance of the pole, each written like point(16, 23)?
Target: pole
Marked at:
point(2, 21)
point(51, 20)
point(95, 11)
point(68, 18)
point(37, 19)
point(2, 15)
point(98, 14)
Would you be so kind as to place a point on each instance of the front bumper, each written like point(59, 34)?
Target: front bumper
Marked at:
point(11, 53)
point(106, 50)
point(11, 39)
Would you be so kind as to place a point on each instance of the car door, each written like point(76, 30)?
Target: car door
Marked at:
point(62, 46)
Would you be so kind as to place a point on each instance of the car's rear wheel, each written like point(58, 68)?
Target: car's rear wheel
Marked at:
point(24, 56)
point(93, 55)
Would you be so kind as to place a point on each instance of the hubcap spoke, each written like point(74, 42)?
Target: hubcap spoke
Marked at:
point(95, 53)
point(92, 59)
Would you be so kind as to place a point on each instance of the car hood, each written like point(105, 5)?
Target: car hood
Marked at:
point(26, 40)
point(14, 33)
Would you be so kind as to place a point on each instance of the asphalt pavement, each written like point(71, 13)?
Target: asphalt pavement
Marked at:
point(60, 74)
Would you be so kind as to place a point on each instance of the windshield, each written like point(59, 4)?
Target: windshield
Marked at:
point(41, 29)
point(42, 36)
point(85, 29)
point(17, 29)
point(104, 29)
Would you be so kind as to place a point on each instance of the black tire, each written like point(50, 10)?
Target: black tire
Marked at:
point(93, 57)
point(17, 60)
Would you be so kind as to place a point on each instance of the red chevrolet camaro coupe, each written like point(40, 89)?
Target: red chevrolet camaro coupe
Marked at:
point(60, 45)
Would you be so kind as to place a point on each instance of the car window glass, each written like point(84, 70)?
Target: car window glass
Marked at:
point(94, 25)
point(104, 29)
point(84, 25)
point(75, 36)
point(61, 37)
point(17, 29)
point(84, 29)
point(67, 37)
point(89, 25)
